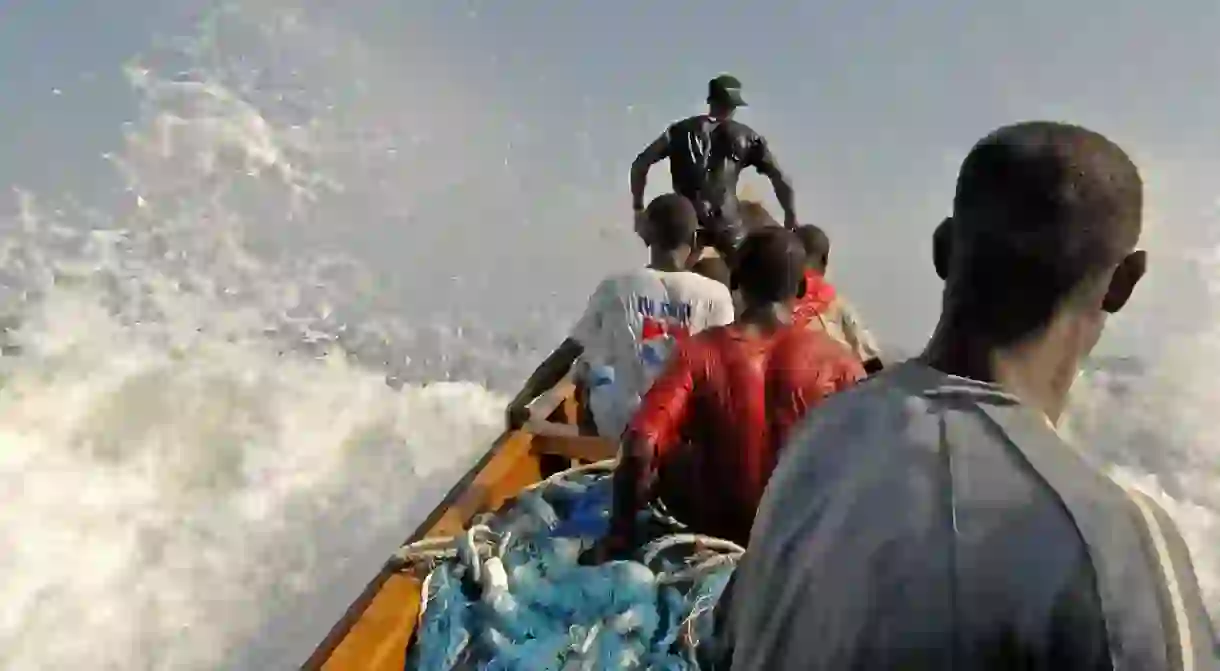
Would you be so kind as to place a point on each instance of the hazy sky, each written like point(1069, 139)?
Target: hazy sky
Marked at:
point(533, 111)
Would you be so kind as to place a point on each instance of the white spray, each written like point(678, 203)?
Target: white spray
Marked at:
point(195, 474)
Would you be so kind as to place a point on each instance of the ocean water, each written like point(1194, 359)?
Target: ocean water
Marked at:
point(208, 444)
point(206, 451)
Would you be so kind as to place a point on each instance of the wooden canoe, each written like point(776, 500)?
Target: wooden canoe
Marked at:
point(374, 632)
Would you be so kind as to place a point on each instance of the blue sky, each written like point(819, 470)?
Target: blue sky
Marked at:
point(869, 104)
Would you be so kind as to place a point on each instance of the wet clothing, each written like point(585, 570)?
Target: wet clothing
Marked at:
point(823, 308)
point(706, 157)
point(732, 397)
point(923, 521)
point(628, 331)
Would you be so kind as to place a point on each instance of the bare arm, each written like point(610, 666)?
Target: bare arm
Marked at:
point(548, 374)
point(767, 166)
point(652, 154)
point(631, 485)
point(558, 363)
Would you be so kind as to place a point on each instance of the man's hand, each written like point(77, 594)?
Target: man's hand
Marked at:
point(516, 415)
point(790, 221)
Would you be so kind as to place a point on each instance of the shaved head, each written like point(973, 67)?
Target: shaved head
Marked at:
point(1040, 208)
point(816, 244)
point(672, 222)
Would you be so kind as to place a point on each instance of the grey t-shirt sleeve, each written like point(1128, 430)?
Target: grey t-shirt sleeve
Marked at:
point(1077, 632)
point(804, 594)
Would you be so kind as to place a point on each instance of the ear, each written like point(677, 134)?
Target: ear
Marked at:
point(801, 287)
point(1122, 284)
point(942, 247)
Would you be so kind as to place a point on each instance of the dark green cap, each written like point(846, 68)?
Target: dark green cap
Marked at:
point(725, 89)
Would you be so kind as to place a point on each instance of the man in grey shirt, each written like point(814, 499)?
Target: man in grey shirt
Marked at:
point(932, 518)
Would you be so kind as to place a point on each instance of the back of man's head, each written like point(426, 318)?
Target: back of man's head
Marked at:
point(1043, 212)
point(672, 222)
point(817, 246)
point(770, 266)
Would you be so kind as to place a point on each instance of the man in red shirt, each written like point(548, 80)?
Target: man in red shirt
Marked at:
point(731, 393)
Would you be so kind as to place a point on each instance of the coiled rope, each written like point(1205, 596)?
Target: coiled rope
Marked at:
point(509, 594)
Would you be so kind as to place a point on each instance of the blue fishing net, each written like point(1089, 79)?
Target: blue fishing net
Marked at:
point(546, 611)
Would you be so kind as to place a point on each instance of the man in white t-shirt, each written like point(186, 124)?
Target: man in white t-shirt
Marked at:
point(633, 320)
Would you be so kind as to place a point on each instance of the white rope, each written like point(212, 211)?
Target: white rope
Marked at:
point(424, 600)
point(450, 547)
point(480, 540)
point(428, 547)
point(432, 549)
point(425, 596)
point(698, 570)
point(603, 465)
point(468, 550)
point(446, 547)
point(701, 542)
point(716, 552)
point(583, 646)
point(656, 509)
point(702, 605)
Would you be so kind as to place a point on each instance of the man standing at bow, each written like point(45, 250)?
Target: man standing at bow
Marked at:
point(706, 156)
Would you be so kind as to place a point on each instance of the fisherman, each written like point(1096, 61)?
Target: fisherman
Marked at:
point(934, 518)
point(633, 320)
point(824, 308)
point(730, 394)
point(706, 156)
